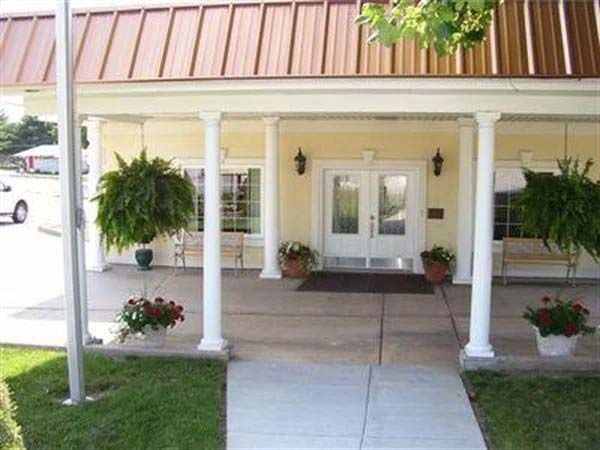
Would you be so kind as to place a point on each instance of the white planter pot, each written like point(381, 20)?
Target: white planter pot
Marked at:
point(555, 345)
point(152, 338)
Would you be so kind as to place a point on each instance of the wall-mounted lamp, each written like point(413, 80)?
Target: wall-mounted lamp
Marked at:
point(300, 162)
point(438, 162)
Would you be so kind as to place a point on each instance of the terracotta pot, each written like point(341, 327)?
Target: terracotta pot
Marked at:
point(435, 272)
point(555, 345)
point(294, 269)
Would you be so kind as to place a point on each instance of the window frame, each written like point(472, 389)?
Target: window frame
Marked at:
point(536, 166)
point(254, 239)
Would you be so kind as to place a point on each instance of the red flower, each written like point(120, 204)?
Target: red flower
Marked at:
point(586, 311)
point(577, 308)
point(545, 318)
point(570, 329)
point(146, 303)
point(159, 299)
point(179, 308)
point(172, 303)
point(546, 299)
point(131, 301)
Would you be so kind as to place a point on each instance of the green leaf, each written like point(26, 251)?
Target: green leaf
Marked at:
point(443, 24)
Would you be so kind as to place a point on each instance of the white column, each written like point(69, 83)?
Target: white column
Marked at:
point(481, 290)
point(271, 235)
point(68, 197)
point(96, 256)
point(212, 339)
point(464, 234)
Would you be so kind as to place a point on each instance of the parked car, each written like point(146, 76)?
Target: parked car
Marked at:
point(12, 204)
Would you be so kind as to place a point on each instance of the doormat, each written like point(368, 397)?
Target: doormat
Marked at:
point(376, 283)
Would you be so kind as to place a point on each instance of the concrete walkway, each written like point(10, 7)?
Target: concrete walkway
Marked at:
point(288, 406)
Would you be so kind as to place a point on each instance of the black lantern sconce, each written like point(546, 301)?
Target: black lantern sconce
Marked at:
point(438, 162)
point(300, 162)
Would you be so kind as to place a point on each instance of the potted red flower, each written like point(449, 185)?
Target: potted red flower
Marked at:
point(296, 259)
point(436, 263)
point(148, 320)
point(558, 324)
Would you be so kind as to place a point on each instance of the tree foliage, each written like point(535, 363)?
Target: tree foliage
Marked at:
point(143, 200)
point(563, 208)
point(443, 24)
point(29, 132)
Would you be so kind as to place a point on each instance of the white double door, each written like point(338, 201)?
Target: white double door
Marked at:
point(370, 219)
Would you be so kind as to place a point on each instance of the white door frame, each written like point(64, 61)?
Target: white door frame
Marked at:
point(418, 167)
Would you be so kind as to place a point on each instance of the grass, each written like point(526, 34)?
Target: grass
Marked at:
point(533, 412)
point(149, 403)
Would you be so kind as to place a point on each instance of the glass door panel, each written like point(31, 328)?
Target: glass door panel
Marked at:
point(389, 240)
point(392, 205)
point(345, 201)
point(345, 227)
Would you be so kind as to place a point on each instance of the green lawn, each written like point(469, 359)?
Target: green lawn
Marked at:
point(526, 412)
point(149, 403)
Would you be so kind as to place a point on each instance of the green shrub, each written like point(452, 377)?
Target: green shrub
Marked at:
point(10, 432)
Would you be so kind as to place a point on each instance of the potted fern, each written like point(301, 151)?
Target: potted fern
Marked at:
point(141, 201)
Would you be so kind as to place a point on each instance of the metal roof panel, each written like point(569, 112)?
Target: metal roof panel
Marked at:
point(283, 38)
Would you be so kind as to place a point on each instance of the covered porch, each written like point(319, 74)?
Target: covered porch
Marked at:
point(179, 98)
point(294, 206)
point(269, 320)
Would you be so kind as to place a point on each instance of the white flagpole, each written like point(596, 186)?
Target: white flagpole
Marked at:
point(72, 217)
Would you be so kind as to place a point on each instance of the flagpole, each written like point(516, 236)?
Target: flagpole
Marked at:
point(72, 217)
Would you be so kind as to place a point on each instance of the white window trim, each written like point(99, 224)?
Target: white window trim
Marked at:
point(251, 240)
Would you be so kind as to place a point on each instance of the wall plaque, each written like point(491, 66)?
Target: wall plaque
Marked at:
point(435, 213)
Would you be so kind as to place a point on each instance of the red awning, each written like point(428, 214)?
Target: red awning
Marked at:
point(285, 38)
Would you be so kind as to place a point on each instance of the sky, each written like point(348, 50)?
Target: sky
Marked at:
point(12, 105)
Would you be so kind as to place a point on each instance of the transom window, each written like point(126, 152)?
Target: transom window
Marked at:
point(240, 199)
point(509, 182)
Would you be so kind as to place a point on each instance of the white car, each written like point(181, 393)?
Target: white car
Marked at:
point(12, 204)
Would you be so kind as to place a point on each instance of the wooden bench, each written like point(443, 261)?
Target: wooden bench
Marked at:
point(531, 251)
point(185, 244)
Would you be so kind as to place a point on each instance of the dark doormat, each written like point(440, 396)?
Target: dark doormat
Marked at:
point(377, 283)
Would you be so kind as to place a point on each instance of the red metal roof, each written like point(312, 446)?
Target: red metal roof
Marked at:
point(288, 38)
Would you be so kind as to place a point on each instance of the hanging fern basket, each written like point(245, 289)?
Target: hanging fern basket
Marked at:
point(141, 201)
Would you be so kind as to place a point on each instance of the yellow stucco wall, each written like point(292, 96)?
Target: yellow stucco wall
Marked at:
point(342, 140)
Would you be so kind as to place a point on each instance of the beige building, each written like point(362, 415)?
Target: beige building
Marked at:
point(232, 92)
point(341, 142)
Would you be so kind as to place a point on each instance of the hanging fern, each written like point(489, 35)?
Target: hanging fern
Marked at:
point(142, 200)
point(564, 208)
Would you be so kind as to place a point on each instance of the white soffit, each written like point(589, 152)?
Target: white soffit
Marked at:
point(363, 123)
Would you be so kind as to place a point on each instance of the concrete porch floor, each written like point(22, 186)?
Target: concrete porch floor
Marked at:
point(269, 320)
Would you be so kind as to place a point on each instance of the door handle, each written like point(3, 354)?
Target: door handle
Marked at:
point(371, 227)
